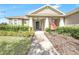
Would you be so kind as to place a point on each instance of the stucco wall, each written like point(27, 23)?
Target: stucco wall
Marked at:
point(15, 22)
point(72, 19)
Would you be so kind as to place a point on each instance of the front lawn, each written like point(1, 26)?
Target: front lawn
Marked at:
point(14, 40)
point(10, 45)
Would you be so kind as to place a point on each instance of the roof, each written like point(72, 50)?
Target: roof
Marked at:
point(52, 7)
point(73, 11)
point(17, 17)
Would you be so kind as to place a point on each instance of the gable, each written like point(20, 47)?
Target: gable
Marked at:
point(47, 10)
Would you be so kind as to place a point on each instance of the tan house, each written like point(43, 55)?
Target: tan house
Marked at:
point(42, 18)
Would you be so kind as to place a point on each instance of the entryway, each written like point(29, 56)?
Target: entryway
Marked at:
point(37, 25)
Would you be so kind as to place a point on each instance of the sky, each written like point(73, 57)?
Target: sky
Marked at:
point(7, 10)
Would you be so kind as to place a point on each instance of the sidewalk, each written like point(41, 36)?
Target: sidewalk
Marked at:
point(41, 45)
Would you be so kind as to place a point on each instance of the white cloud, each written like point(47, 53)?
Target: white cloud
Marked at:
point(57, 6)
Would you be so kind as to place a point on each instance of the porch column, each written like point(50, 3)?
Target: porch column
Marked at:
point(61, 23)
point(31, 22)
point(46, 23)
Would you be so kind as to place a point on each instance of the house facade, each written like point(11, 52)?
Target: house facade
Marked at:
point(44, 17)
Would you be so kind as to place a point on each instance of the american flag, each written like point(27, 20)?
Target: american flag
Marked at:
point(53, 25)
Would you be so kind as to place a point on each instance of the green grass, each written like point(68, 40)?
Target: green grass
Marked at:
point(10, 45)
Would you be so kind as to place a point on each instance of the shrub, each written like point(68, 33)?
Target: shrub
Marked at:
point(72, 30)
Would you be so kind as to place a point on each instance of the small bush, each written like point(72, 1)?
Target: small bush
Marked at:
point(72, 30)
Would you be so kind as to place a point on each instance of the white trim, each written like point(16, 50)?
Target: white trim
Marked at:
point(45, 6)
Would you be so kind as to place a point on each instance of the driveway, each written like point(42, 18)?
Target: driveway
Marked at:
point(41, 45)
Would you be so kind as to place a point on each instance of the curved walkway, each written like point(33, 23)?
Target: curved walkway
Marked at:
point(41, 45)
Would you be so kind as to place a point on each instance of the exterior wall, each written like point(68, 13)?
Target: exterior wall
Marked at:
point(18, 22)
point(72, 19)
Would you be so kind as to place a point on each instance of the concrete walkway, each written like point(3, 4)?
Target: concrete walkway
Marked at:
point(41, 45)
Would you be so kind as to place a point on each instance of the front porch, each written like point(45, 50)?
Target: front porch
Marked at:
point(42, 23)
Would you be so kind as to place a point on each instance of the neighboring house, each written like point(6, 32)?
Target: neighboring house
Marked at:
point(42, 18)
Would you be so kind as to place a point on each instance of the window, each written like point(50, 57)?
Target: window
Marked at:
point(15, 21)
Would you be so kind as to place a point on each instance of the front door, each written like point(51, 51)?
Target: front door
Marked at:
point(37, 25)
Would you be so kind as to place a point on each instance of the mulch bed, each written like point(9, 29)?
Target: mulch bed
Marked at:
point(65, 45)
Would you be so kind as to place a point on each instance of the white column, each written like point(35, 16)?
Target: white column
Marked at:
point(61, 23)
point(30, 22)
point(46, 23)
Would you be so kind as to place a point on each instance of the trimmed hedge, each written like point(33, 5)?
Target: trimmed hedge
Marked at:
point(71, 30)
point(14, 28)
